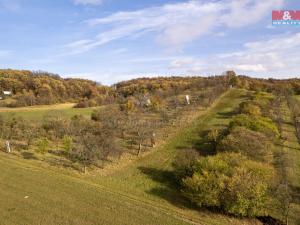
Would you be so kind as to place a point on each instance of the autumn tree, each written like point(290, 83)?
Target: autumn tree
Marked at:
point(93, 143)
point(56, 126)
point(229, 182)
point(141, 130)
point(213, 137)
point(252, 144)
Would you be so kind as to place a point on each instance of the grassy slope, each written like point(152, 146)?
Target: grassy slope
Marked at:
point(292, 149)
point(139, 193)
point(149, 177)
point(36, 113)
point(59, 199)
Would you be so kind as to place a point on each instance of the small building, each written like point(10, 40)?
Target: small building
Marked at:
point(7, 92)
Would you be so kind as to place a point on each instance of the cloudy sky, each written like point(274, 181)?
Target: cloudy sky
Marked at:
point(113, 40)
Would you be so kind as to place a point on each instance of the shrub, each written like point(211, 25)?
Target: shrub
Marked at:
point(206, 185)
point(229, 182)
point(67, 143)
point(184, 163)
point(250, 109)
point(129, 106)
point(260, 124)
point(253, 144)
point(43, 145)
point(246, 190)
point(82, 104)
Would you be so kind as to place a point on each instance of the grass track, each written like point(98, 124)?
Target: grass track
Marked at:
point(139, 193)
point(287, 154)
point(291, 147)
point(36, 113)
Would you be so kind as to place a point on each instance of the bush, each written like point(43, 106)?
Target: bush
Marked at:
point(206, 185)
point(250, 109)
point(67, 143)
point(43, 145)
point(246, 190)
point(229, 182)
point(253, 144)
point(82, 104)
point(87, 103)
point(184, 163)
point(260, 124)
point(130, 106)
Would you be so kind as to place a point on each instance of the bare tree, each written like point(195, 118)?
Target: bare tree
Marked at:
point(93, 142)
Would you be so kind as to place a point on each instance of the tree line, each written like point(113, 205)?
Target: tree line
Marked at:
point(30, 88)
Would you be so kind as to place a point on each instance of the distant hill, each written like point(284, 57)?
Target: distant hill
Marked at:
point(41, 88)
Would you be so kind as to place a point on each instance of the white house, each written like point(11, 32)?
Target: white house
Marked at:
point(7, 92)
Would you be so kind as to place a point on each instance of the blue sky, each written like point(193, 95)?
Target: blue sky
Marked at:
point(114, 40)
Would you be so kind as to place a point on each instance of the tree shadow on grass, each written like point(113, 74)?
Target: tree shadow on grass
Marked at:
point(59, 153)
point(169, 189)
point(286, 146)
point(296, 194)
point(226, 115)
point(203, 145)
point(29, 155)
point(61, 162)
point(288, 123)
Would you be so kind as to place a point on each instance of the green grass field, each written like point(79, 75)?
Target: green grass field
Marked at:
point(36, 113)
point(135, 192)
point(288, 150)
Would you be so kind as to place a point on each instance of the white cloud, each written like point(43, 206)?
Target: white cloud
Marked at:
point(280, 43)
point(88, 2)
point(247, 12)
point(182, 63)
point(249, 67)
point(276, 56)
point(177, 24)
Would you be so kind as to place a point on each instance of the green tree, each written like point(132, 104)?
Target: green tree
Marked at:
point(259, 123)
point(208, 182)
point(43, 145)
point(246, 190)
point(230, 182)
point(254, 145)
point(184, 163)
point(213, 137)
point(250, 109)
point(67, 142)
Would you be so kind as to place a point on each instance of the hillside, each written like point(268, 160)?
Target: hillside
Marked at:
point(29, 88)
point(138, 192)
point(194, 150)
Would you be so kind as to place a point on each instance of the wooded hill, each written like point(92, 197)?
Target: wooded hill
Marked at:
point(30, 88)
point(41, 88)
point(236, 151)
